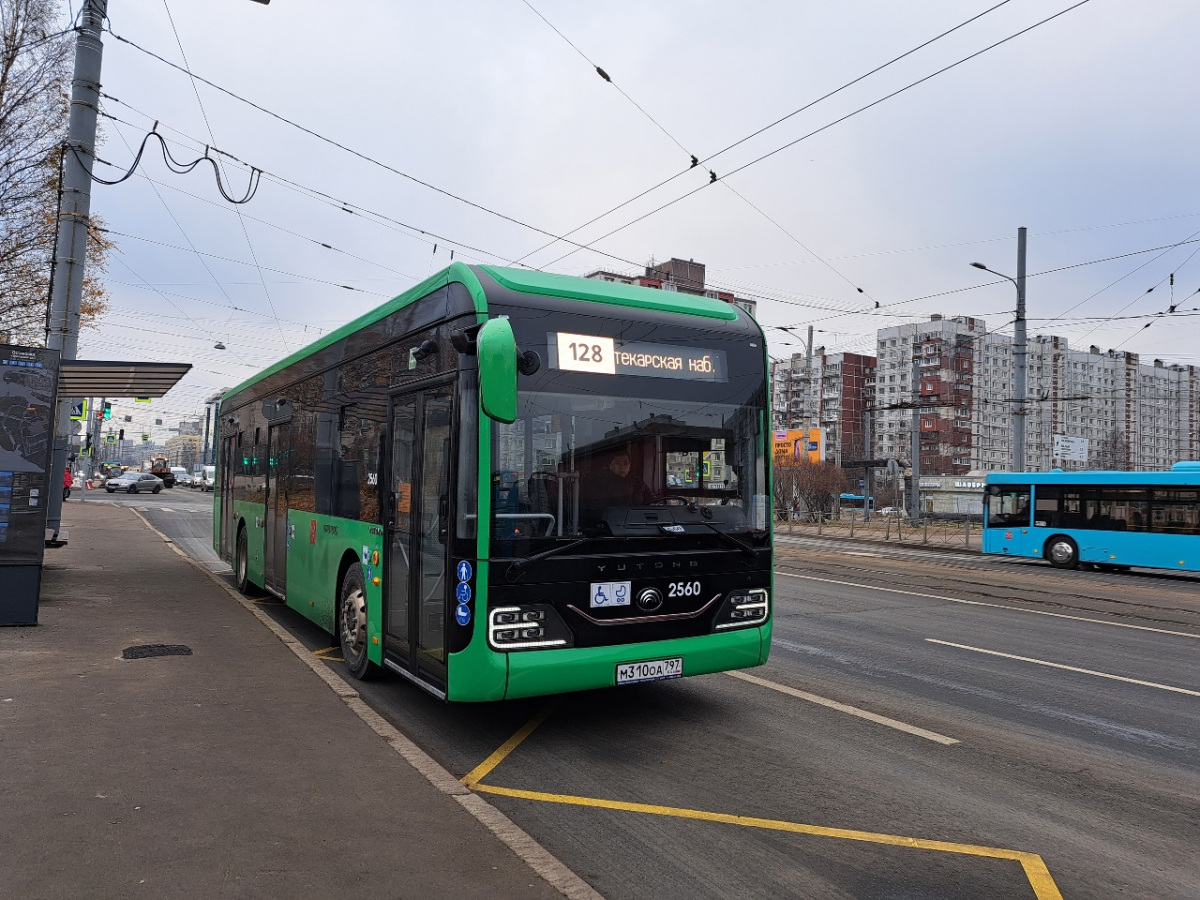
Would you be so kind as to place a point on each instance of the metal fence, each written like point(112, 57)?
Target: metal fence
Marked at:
point(966, 533)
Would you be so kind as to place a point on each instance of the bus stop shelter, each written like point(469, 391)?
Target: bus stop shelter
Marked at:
point(32, 382)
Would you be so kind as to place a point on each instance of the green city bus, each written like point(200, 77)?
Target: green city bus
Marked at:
point(506, 483)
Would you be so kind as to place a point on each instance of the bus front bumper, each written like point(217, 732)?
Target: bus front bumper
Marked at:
point(534, 673)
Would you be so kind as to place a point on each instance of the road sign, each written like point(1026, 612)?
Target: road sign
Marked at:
point(1069, 447)
point(145, 438)
point(110, 439)
point(79, 411)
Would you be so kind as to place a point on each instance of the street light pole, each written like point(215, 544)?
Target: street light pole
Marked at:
point(1020, 354)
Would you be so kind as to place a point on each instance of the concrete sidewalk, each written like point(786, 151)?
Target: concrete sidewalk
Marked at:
point(235, 771)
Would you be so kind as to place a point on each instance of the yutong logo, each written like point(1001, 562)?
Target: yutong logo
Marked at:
point(647, 567)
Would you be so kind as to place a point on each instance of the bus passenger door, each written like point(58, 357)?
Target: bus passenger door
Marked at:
point(226, 469)
point(275, 533)
point(416, 594)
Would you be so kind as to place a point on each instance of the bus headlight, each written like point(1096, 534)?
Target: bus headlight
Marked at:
point(742, 608)
point(534, 626)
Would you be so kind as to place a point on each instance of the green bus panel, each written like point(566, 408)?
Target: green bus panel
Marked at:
point(318, 548)
point(252, 515)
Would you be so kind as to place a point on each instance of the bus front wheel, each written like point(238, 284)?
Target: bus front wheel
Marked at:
point(1062, 552)
point(352, 624)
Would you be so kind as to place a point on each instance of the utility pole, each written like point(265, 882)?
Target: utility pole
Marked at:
point(204, 446)
point(914, 440)
point(869, 478)
point(73, 219)
point(1021, 356)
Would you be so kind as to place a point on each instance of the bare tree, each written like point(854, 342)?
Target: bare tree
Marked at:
point(34, 76)
point(1112, 451)
point(815, 485)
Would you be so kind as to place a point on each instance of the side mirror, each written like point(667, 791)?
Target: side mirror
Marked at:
point(496, 348)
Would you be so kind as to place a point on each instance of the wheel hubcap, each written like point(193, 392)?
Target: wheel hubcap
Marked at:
point(1061, 552)
point(354, 622)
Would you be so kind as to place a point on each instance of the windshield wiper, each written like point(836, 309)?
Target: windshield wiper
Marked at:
point(517, 567)
point(731, 540)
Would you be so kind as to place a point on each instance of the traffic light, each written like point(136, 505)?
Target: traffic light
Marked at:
point(108, 410)
point(87, 445)
point(121, 435)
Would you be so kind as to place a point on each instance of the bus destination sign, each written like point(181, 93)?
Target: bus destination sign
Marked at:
point(605, 356)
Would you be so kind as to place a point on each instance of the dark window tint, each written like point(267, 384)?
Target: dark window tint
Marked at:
point(1008, 505)
point(1175, 510)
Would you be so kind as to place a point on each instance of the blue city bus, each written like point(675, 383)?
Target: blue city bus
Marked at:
point(1096, 519)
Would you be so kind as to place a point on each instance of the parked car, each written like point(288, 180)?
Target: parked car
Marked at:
point(181, 475)
point(134, 483)
point(208, 475)
point(897, 511)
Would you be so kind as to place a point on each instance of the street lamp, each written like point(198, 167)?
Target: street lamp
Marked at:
point(1019, 353)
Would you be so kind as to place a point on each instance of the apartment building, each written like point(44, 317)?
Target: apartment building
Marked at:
point(956, 379)
point(928, 369)
point(685, 276)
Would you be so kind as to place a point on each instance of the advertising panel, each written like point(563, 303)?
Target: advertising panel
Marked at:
point(28, 382)
point(792, 443)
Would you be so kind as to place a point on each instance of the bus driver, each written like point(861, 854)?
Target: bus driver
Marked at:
point(616, 486)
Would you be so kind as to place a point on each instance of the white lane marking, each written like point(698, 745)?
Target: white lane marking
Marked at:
point(857, 553)
point(1042, 662)
point(1036, 612)
point(849, 710)
point(165, 509)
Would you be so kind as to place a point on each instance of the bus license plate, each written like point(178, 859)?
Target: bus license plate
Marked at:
point(650, 670)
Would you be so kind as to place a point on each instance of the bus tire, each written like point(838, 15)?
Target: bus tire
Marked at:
point(352, 624)
point(241, 563)
point(1062, 552)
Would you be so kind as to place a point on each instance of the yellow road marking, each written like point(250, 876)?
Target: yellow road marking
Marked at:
point(1021, 609)
point(1042, 662)
point(1033, 865)
point(842, 707)
point(1035, 868)
point(325, 654)
point(472, 778)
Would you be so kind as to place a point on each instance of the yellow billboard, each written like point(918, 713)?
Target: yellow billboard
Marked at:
point(792, 443)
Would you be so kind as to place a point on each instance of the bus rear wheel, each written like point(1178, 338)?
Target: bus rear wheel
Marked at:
point(1062, 552)
point(352, 624)
point(241, 564)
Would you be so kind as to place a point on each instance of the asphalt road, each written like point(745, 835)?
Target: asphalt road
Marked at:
point(931, 725)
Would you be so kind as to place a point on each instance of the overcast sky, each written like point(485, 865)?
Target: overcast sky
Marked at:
point(482, 127)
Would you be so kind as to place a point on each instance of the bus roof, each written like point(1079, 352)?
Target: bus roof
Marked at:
point(523, 281)
point(592, 290)
point(1187, 472)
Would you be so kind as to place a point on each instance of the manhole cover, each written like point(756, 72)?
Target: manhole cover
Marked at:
point(145, 650)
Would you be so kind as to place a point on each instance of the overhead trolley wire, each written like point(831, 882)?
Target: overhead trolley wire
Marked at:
point(345, 206)
point(826, 127)
point(355, 153)
point(699, 162)
point(204, 114)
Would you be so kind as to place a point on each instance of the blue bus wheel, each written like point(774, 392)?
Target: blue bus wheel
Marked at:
point(1062, 552)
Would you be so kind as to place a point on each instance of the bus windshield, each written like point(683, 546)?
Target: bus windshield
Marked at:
point(590, 464)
